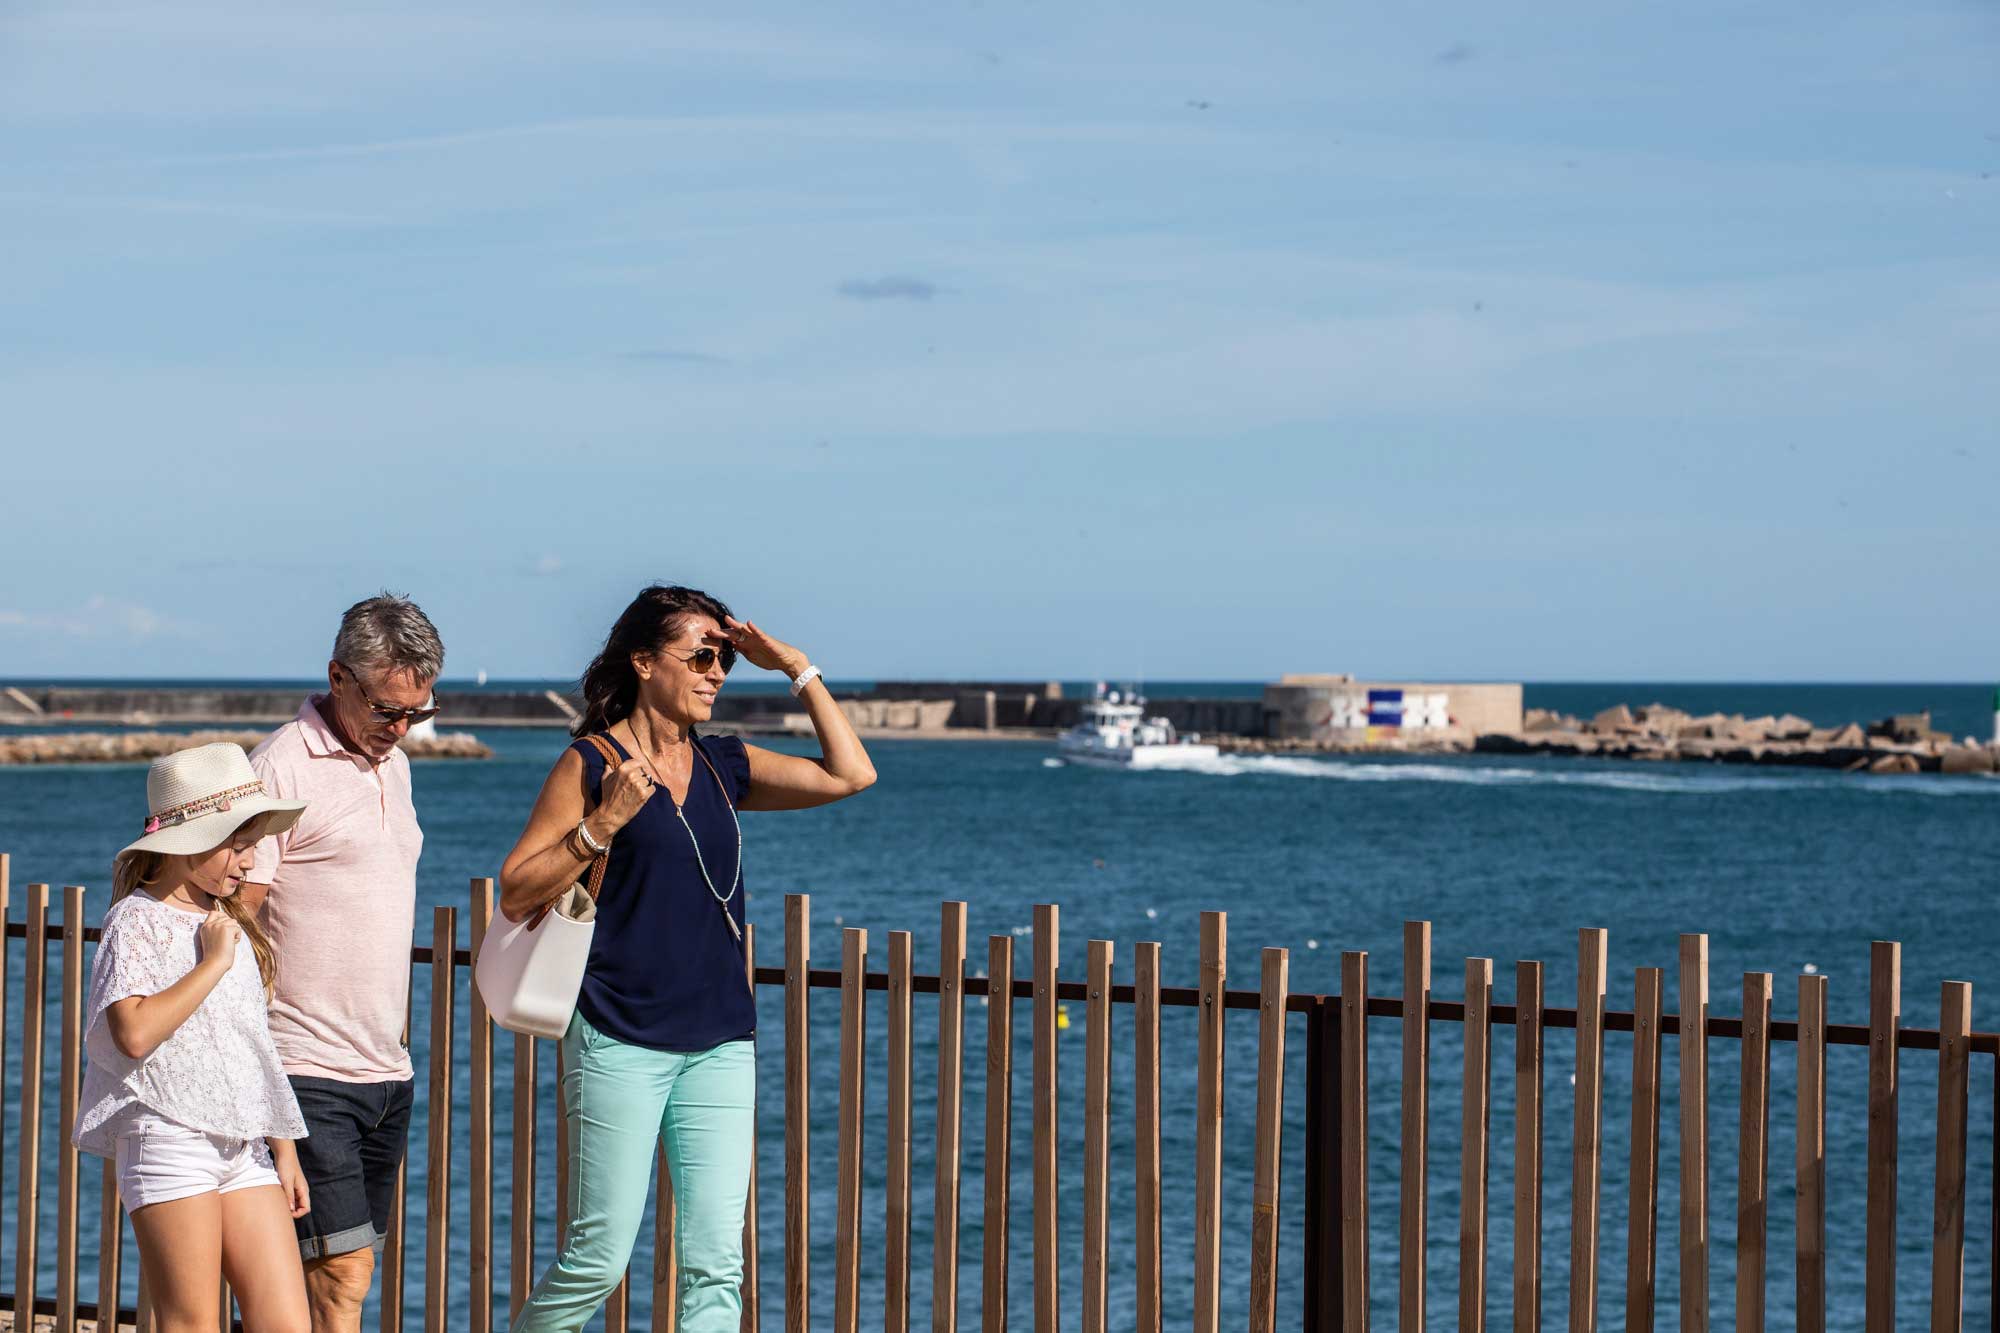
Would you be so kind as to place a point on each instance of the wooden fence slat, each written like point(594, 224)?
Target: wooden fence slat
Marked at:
point(1475, 1129)
point(1885, 1022)
point(1694, 1132)
point(1274, 985)
point(1948, 1210)
point(1527, 1147)
point(391, 1268)
point(68, 1167)
point(479, 1192)
point(1044, 1103)
point(143, 1314)
point(110, 1239)
point(1146, 1135)
point(6, 871)
point(1354, 1140)
point(950, 1118)
point(752, 1313)
point(521, 1198)
point(798, 1115)
point(1753, 1155)
point(1096, 1135)
point(666, 1264)
point(999, 1131)
point(28, 1185)
point(618, 1305)
point(1643, 1224)
point(896, 1203)
point(1414, 1176)
point(1208, 1114)
point(1587, 1134)
point(437, 1182)
point(853, 1127)
point(1810, 1227)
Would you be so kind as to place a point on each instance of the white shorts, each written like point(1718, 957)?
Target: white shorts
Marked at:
point(160, 1161)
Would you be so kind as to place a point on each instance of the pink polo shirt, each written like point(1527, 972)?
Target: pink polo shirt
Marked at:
point(342, 905)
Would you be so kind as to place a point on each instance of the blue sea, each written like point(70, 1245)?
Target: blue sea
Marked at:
point(1507, 857)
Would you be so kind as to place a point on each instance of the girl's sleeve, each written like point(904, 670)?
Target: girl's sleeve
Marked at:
point(131, 960)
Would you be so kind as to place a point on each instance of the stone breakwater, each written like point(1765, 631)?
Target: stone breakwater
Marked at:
point(1903, 744)
point(134, 747)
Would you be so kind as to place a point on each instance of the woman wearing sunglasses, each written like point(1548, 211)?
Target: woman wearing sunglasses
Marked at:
point(660, 1050)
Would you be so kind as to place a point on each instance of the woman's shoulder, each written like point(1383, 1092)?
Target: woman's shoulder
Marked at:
point(731, 757)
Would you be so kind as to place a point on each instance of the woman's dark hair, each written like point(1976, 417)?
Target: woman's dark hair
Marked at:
point(655, 619)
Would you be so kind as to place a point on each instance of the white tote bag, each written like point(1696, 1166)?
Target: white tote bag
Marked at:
point(529, 972)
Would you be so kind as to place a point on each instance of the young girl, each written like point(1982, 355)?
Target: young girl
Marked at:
point(183, 1089)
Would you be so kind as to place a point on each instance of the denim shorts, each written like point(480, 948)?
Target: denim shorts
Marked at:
point(159, 1161)
point(356, 1134)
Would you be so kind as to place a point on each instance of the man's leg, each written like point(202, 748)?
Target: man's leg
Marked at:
point(337, 1238)
point(707, 1130)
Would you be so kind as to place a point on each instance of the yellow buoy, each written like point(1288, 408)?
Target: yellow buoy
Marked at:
point(1062, 1018)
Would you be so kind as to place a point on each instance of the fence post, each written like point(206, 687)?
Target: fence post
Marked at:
point(1354, 1140)
point(853, 1127)
point(798, 1115)
point(28, 1189)
point(1948, 1214)
point(67, 1165)
point(1275, 984)
point(1753, 1158)
point(1146, 1135)
point(1694, 1133)
point(1642, 1234)
point(896, 1191)
point(951, 1092)
point(1475, 1130)
point(1414, 1175)
point(1208, 1102)
point(1885, 1024)
point(1096, 1135)
point(437, 1183)
point(1587, 1128)
point(479, 1203)
point(1044, 1103)
point(1527, 1147)
point(1811, 1188)
point(999, 1131)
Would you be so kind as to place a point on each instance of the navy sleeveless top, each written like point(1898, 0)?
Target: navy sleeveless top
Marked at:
point(664, 970)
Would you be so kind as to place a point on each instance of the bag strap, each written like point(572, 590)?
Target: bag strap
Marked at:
point(593, 881)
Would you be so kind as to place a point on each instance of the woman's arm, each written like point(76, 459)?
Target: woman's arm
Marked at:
point(790, 781)
point(546, 861)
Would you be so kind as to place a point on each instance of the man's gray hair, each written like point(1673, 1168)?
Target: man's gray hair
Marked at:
point(389, 633)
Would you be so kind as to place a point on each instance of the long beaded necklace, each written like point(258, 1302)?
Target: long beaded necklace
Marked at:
point(735, 881)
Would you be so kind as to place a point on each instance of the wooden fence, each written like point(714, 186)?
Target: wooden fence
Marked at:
point(1337, 1261)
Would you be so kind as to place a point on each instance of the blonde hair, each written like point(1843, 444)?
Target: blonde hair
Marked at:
point(136, 870)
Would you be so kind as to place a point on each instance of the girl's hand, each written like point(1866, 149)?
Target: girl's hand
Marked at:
point(761, 650)
point(291, 1177)
point(625, 792)
point(218, 935)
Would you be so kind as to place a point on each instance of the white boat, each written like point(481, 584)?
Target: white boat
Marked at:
point(1114, 732)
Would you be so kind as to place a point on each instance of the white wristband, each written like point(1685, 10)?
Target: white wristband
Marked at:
point(803, 679)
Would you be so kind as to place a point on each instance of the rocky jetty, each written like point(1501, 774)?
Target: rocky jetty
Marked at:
point(1901, 744)
point(134, 747)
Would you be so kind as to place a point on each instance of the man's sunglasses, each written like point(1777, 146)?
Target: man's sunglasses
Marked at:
point(701, 659)
point(383, 711)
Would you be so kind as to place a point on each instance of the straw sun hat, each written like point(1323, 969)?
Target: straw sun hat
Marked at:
point(197, 798)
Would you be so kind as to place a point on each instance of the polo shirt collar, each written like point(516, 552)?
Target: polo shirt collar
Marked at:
point(320, 740)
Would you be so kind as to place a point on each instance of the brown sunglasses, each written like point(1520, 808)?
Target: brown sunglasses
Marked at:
point(384, 711)
point(704, 657)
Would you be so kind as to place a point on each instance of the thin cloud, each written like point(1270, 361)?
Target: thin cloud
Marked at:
point(1456, 54)
point(546, 566)
point(98, 617)
point(674, 356)
point(894, 287)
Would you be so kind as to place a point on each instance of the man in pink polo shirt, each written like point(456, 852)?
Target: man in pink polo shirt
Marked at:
point(338, 894)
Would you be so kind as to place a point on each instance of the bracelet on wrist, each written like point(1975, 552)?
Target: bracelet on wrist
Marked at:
point(804, 678)
point(595, 848)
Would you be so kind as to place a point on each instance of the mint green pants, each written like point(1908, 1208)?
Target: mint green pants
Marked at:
point(621, 1101)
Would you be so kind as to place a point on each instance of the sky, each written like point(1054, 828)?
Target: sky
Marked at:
point(1008, 339)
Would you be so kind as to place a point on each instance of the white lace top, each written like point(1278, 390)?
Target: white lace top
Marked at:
point(217, 1073)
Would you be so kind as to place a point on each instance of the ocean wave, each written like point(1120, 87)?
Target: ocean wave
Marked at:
point(1603, 777)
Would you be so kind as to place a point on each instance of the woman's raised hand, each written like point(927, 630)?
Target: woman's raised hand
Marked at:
point(761, 650)
point(218, 935)
point(626, 789)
